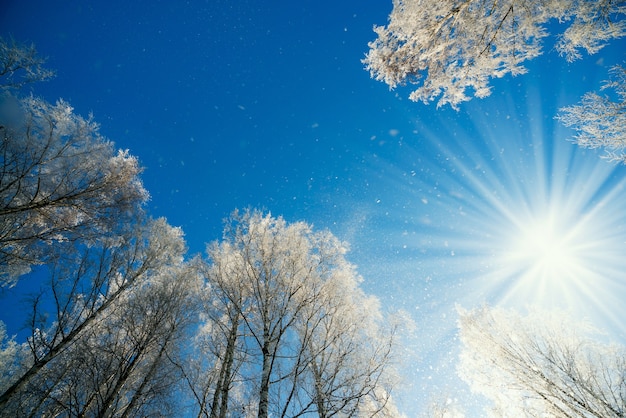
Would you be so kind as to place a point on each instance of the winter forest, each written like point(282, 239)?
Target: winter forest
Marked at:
point(273, 319)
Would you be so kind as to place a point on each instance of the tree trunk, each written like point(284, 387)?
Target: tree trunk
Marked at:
point(105, 409)
point(265, 378)
point(134, 402)
point(219, 406)
point(319, 393)
point(230, 356)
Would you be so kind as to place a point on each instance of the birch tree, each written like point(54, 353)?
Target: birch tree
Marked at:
point(348, 350)
point(60, 182)
point(120, 366)
point(216, 375)
point(288, 335)
point(84, 288)
point(542, 364)
point(115, 290)
point(452, 48)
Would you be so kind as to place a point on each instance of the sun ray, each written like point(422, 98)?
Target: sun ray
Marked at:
point(505, 211)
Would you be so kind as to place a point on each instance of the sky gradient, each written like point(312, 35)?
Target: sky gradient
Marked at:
point(235, 104)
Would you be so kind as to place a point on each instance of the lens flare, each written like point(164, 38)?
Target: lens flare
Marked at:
point(489, 205)
point(503, 211)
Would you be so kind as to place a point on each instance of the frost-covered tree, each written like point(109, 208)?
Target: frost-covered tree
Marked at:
point(216, 374)
point(115, 291)
point(120, 366)
point(20, 65)
point(540, 365)
point(60, 182)
point(600, 121)
point(287, 331)
point(452, 48)
point(83, 290)
point(11, 354)
point(347, 351)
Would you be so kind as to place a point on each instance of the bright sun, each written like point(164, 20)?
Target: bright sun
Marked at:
point(545, 250)
point(507, 213)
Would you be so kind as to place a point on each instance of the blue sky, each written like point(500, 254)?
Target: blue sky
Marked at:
point(230, 104)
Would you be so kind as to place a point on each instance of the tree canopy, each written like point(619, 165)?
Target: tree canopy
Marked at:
point(20, 65)
point(541, 364)
point(452, 48)
point(600, 121)
point(61, 181)
point(287, 330)
point(273, 322)
point(114, 297)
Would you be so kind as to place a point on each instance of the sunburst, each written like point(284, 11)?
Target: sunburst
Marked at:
point(507, 213)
